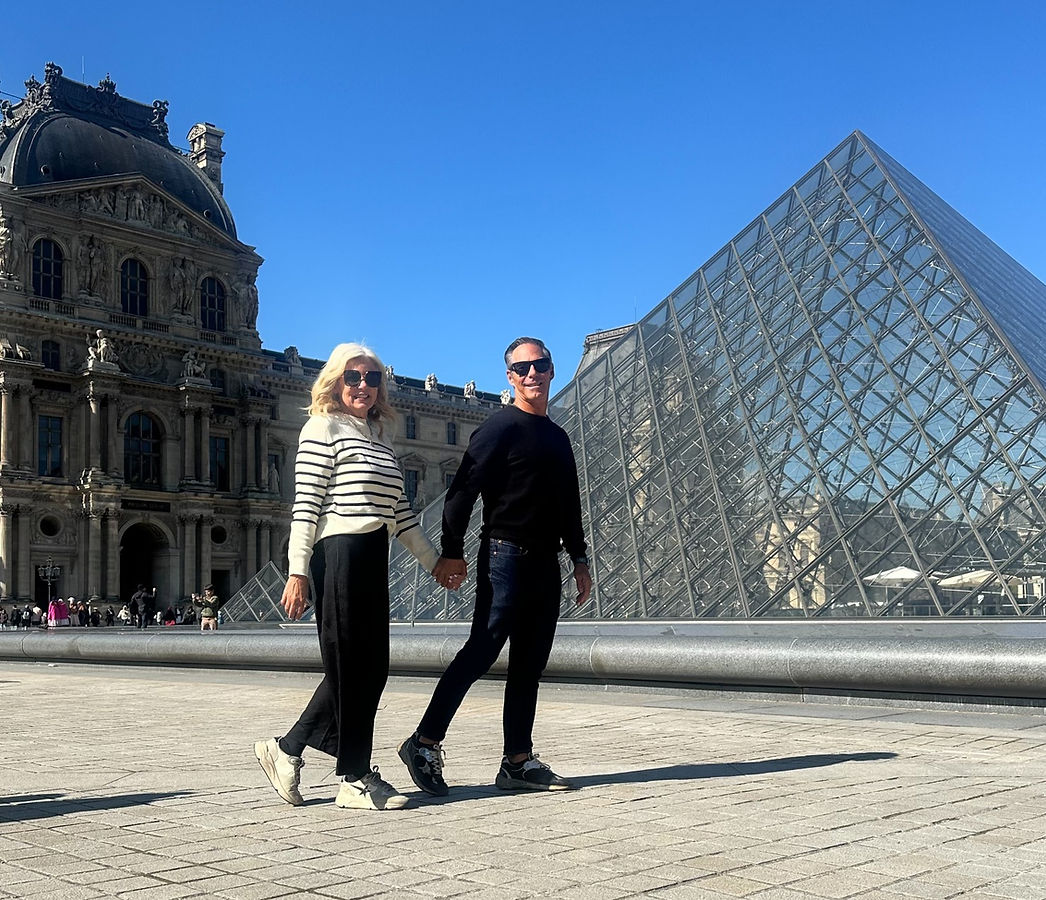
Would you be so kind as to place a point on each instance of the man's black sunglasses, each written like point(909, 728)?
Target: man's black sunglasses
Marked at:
point(353, 377)
point(540, 366)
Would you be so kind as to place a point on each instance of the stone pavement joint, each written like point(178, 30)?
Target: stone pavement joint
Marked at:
point(141, 784)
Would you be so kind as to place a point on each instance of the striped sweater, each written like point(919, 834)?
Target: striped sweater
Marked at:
point(347, 481)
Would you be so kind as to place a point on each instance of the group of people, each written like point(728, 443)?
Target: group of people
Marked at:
point(59, 613)
point(141, 611)
point(349, 502)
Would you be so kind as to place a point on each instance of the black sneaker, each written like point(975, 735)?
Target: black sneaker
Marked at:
point(424, 762)
point(530, 775)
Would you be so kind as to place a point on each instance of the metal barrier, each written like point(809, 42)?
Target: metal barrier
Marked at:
point(957, 667)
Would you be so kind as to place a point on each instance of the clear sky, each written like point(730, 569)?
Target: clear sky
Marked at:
point(437, 178)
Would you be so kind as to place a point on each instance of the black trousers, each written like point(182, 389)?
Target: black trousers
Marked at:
point(517, 600)
point(350, 576)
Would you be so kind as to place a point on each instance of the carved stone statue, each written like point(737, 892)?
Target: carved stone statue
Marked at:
point(101, 349)
point(274, 478)
point(181, 279)
point(90, 259)
point(470, 389)
point(191, 366)
point(135, 205)
point(250, 303)
point(292, 356)
point(430, 381)
point(506, 397)
point(12, 245)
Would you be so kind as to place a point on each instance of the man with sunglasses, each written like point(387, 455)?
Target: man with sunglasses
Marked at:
point(522, 465)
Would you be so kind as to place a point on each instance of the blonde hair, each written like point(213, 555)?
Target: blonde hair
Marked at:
point(325, 391)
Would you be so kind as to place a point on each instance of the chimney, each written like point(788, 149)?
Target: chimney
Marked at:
point(206, 151)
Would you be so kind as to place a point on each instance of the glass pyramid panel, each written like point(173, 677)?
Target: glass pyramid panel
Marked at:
point(840, 414)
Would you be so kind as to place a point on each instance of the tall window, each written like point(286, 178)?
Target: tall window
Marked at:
point(141, 450)
point(220, 462)
point(410, 485)
point(452, 432)
point(47, 269)
point(212, 305)
point(134, 288)
point(411, 427)
point(448, 480)
point(51, 355)
point(49, 446)
point(218, 380)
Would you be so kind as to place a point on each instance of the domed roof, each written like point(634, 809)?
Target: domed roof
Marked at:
point(66, 131)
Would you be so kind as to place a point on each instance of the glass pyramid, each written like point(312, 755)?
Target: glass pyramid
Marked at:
point(841, 413)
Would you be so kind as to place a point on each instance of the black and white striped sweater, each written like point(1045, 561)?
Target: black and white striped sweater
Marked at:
point(347, 481)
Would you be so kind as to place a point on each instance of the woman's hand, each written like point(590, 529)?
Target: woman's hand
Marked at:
point(295, 596)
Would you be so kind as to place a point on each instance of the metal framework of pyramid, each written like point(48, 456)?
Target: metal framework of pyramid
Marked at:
point(840, 414)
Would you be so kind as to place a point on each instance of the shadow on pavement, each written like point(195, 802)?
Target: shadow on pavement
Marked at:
point(727, 769)
point(45, 806)
point(665, 773)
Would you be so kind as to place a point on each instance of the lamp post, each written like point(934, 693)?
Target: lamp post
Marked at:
point(49, 573)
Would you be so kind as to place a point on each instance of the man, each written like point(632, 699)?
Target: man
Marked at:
point(523, 466)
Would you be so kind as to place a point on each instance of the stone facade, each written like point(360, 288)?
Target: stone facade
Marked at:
point(146, 435)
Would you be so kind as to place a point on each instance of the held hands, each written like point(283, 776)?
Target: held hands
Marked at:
point(450, 573)
point(295, 596)
point(583, 579)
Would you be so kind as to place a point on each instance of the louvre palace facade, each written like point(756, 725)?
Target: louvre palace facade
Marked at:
point(840, 414)
point(146, 435)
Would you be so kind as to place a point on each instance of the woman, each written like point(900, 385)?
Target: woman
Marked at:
point(209, 604)
point(348, 502)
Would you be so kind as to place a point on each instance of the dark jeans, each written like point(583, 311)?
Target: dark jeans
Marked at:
point(517, 600)
point(350, 577)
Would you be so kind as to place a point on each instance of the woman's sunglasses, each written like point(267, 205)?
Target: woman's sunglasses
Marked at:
point(353, 377)
point(522, 368)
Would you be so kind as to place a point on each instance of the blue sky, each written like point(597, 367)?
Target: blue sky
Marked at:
point(438, 178)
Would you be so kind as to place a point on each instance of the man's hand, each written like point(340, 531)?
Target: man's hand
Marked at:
point(295, 596)
point(450, 572)
point(583, 578)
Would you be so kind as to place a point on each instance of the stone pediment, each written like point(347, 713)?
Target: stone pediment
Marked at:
point(135, 202)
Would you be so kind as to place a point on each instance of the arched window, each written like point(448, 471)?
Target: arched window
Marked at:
point(47, 269)
point(141, 450)
point(212, 305)
point(134, 288)
point(51, 355)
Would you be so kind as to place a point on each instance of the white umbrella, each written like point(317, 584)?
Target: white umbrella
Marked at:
point(898, 576)
point(978, 578)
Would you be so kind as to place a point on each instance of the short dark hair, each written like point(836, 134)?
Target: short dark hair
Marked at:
point(520, 341)
point(208, 587)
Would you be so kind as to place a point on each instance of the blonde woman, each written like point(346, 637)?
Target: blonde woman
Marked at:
point(348, 503)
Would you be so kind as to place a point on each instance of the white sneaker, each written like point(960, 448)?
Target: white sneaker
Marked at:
point(282, 770)
point(369, 792)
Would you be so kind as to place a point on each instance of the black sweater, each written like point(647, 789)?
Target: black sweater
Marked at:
point(523, 466)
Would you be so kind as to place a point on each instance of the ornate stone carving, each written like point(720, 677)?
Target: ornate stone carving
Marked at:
point(91, 265)
point(101, 351)
point(430, 382)
point(506, 397)
point(191, 366)
point(247, 294)
point(12, 248)
point(140, 359)
point(159, 120)
point(470, 390)
point(182, 277)
point(292, 356)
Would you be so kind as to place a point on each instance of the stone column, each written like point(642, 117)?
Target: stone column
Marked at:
point(250, 531)
point(94, 556)
point(94, 440)
point(205, 446)
point(26, 430)
point(6, 426)
point(250, 449)
point(24, 575)
point(115, 467)
point(206, 522)
point(188, 445)
point(263, 455)
point(188, 523)
point(112, 549)
point(266, 545)
point(7, 549)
